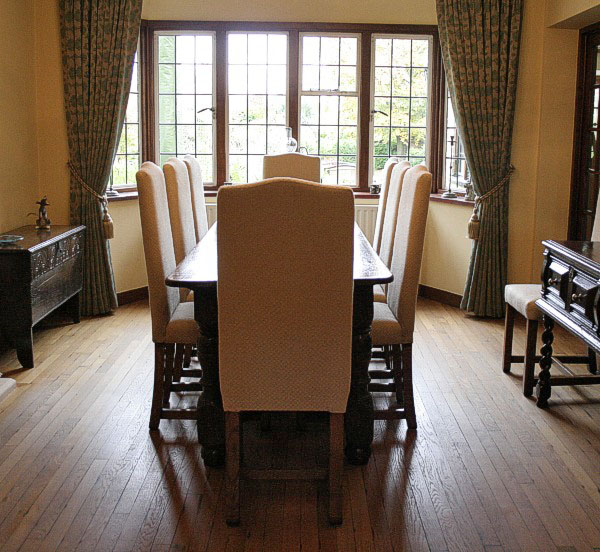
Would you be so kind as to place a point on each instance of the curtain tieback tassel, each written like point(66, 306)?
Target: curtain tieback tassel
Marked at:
point(474, 223)
point(107, 221)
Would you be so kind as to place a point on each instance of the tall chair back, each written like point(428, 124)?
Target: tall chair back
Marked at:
point(197, 193)
point(285, 296)
point(292, 165)
point(387, 174)
point(390, 216)
point(158, 246)
point(408, 248)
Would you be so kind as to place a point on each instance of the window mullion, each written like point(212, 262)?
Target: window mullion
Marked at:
point(364, 111)
point(293, 76)
point(221, 116)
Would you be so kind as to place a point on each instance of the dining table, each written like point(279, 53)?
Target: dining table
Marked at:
point(199, 272)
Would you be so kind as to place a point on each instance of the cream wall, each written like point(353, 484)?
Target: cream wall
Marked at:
point(18, 159)
point(541, 146)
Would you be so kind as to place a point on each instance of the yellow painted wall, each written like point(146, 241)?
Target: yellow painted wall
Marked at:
point(572, 14)
point(338, 11)
point(18, 159)
point(541, 146)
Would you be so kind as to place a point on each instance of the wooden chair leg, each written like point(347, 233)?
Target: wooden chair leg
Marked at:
point(407, 384)
point(509, 327)
point(187, 356)
point(232, 468)
point(179, 362)
point(530, 350)
point(592, 366)
point(387, 355)
point(336, 467)
point(168, 377)
point(396, 363)
point(157, 392)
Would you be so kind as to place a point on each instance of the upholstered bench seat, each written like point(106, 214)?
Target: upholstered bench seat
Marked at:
point(522, 298)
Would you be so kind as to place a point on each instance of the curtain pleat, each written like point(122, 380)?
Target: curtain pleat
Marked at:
point(98, 40)
point(480, 48)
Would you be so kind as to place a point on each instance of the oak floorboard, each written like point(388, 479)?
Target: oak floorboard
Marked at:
point(486, 469)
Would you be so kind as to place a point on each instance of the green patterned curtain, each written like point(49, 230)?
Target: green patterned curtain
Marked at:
point(98, 39)
point(480, 47)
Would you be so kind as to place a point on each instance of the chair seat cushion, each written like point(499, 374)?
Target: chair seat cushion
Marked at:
point(522, 298)
point(386, 330)
point(182, 328)
point(379, 295)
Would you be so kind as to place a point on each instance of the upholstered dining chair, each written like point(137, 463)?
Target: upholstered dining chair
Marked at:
point(182, 228)
point(292, 165)
point(390, 216)
point(172, 321)
point(285, 313)
point(521, 298)
point(383, 193)
point(197, 196)
point(394, 321)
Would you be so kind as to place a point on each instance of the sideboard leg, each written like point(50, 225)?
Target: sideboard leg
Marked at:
point(25, 348)
point(543, 388)
point(74, 308)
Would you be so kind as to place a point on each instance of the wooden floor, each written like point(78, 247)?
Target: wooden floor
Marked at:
point(486, 470)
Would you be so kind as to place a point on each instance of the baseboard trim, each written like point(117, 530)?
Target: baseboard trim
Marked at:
point(132, 295)
point(439, 295)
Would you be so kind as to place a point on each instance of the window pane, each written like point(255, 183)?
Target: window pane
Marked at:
point(257, 101)
point(329, 104)
point(456, 170)
point(400, 101)
point(127, 158)
point(185, 98)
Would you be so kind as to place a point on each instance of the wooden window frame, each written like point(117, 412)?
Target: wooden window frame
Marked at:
point(366, 31)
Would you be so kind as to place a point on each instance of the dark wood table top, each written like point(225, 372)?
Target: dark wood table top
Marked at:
point(34, 239)
point(199, 268)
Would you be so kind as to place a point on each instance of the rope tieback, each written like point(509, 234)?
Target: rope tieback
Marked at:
point(107, 221)
point(473, 226)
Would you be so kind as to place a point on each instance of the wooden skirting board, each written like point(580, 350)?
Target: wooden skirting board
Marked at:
point(439, 295)
point(132, 295)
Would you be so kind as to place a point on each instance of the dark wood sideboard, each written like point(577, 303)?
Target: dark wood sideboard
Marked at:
point(571, 298)
point(37, 275)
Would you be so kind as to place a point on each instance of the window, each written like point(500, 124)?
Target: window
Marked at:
point(352, 94)
point(400, 100)
point(329, 104)
point(456, 171)
point(257, 101)
point(185, 90)
point(127, 158)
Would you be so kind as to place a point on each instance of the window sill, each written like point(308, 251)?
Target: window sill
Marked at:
point(460, 200)
point(129, 195)
point(124, 196)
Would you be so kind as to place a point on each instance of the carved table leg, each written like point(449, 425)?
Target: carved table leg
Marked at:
point(359, 414)
point(543, 388)
point(211, 418)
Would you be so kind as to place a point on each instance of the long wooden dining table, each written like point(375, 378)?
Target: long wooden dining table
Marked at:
point(198, 272)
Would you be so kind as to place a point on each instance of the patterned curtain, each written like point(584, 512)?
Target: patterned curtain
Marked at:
point(480, 47)
point(98, 39)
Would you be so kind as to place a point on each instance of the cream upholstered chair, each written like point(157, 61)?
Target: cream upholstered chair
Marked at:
point(383, 193)
point(182, 228)
point(197, 196)
point(521, 298)
point(293, 165)
point(285, 311)
point(390, 216)
point(172, 321)
point(394, 321)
